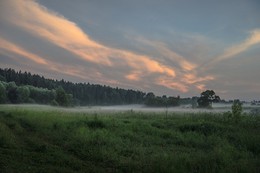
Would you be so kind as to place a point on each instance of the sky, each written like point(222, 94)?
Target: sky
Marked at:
point(169, 47)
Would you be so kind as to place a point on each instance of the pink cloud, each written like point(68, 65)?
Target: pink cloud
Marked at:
point(167, 53)
point(58, 30)
point(192, 78)
point(169, 83)
point(50, 26)
point(12, 48)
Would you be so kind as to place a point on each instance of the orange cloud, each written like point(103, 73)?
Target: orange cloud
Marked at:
point(58, 30)
point(133, 76)
point(168, 83)
point(191, 78)
point(201, 87)
point(143, 63)
point(164, 51)
point(66, 34)
point(6, 46)
point(154, 66)
point(10, 47)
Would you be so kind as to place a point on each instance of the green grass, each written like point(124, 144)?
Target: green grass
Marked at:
point(56, 141)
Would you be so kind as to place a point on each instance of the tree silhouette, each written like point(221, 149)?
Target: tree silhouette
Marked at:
point(207, 98)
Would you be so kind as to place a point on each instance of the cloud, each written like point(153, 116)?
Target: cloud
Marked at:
point(49, 25)
point(134, 76)
point(167, 53)
point(201, 87)
point(232, 51)
point(186, 76)
point(175, 85)
point(118, 66)
point(12, 48)
point(192, 78)
point(60, 31)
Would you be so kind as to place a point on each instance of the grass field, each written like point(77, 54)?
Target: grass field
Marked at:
point(60, 141)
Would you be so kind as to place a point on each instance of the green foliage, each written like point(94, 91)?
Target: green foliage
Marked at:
point(41, 95)
point(206, 99)
point(23, 93)
point(96, 124)
point(60, 141)
point(237, 110)
point(11, 85)
point(54, 103)
point(227, 116)
point(2, 78)
point(3, 97)
point(12, 92)
point(205, 128)
point(83, 93)
point(163, 101)
point(62, 98)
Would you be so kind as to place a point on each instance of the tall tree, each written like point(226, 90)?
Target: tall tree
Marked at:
point(207, 98)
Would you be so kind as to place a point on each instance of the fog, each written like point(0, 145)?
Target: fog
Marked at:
point(217, 107)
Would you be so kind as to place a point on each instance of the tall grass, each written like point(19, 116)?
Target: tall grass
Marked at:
point(57, 141)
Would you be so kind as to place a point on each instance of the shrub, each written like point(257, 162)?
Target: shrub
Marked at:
point(237, 110)
point(3, 96)
point(227, 115)
point(54, 103)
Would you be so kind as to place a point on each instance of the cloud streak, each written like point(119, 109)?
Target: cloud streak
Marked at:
point(50, 26)
point(12, 48)
point(234, 50)
point(56, 29)
point(118, 66)
point(167, 53)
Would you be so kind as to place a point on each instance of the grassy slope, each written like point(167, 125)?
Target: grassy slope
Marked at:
point(42, 141)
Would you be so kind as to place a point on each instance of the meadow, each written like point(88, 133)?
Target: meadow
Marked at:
point(54, 140)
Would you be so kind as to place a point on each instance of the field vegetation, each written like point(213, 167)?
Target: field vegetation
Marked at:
point(130, 141)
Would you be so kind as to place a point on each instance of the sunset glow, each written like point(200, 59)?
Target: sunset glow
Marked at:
point(149, 49)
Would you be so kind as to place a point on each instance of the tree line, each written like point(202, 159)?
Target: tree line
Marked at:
point(83, 93)
point(11, 93)
point(24, 87)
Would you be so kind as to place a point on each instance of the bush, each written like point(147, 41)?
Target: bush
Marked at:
point(23, 94)
point(62, 97)
point(3, 96)
point(227, 115)
point(54, 103)
point(237, 110)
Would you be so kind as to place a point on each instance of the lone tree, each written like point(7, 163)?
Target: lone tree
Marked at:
point(61, 97)
point(207, 98)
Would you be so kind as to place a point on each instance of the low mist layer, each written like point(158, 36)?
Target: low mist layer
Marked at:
point(217, 107)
